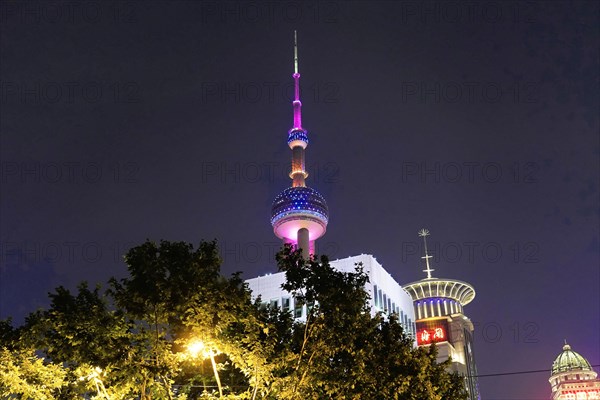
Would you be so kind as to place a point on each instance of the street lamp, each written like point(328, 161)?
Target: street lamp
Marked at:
point(94, 376)
point(196, 348)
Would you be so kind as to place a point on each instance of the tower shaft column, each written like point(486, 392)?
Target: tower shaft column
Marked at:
point(304, 242)
point(298, 173)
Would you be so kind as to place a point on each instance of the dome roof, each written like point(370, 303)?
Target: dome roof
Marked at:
point(568, 361)
point(299, 200)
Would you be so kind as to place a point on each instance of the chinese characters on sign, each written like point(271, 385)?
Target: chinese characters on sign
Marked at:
point(432, 331)
point(427, 336)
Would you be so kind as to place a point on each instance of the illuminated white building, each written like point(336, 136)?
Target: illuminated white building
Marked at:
point(387, 296)
point(573, 377)
point(438, 305)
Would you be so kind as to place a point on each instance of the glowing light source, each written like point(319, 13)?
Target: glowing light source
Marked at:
point(427, 336)
point(196, 347)
point(432, 331)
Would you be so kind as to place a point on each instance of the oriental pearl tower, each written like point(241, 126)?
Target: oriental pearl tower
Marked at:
point(299, 215)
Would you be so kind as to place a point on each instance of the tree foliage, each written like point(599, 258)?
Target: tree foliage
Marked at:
point(24, 374)
point(341, 351)
point(133, 340)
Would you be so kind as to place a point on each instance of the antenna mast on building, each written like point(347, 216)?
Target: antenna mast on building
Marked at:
point(424, 233)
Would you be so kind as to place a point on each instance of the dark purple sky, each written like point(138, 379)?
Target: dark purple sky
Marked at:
point(168, 120)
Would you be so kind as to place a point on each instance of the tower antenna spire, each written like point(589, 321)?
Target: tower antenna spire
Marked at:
point(424, 233)
point(297, 104)
point(295, 52)
point(297, 136)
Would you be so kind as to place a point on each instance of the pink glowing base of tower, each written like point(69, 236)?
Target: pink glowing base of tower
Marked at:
point(290, 231)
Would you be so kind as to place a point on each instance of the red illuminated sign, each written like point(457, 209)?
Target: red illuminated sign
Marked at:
point(430, 335)
point(433, 330)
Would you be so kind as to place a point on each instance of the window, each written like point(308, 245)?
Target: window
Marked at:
point(274, 302)
point(375, 296)
point(298, 308)
point(285, 303)
point(385, 302)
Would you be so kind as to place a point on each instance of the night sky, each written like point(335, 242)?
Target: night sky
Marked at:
point(168, 120)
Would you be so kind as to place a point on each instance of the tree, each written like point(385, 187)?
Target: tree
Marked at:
point(165, 283)
point(24, 374)
point(83, 334)
point(133, 341)
point(176, 295)
point(342, 352)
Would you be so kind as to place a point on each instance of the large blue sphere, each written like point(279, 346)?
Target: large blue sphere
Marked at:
point(299, 201)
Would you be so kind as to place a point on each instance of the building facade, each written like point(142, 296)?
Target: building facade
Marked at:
point(387, 296)
point(573, 377)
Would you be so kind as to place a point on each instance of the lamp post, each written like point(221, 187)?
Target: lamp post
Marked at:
point(197, 347)
point(94, 376)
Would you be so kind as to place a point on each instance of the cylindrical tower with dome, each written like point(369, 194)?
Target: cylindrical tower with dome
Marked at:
point(299, 215)
point(440, 319)
point(573, 377)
